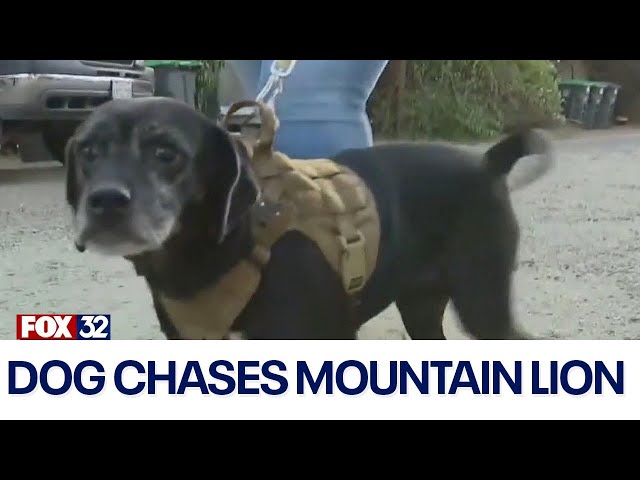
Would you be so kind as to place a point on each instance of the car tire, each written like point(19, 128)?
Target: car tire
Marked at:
point(32, 148)
point(56, 135)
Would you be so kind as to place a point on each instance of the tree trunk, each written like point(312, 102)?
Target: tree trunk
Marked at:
point(392, 84)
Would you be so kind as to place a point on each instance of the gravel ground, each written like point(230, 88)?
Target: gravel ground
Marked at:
point(578, 276)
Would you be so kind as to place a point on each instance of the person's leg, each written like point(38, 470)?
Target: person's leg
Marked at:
point(322, 109)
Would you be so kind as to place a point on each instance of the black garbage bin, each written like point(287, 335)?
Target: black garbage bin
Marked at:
point(575, 98)
point(606, 113)
point(176, 78)
point(592, 110)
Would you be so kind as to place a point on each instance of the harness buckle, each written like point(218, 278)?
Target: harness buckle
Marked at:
point(354, 262)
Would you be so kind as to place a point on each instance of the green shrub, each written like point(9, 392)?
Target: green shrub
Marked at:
point(207, 85)
point(468, 99)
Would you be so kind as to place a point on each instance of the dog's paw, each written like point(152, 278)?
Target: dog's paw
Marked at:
point(235, 336)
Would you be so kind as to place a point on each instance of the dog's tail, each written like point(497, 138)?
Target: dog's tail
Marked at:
point(503, 156)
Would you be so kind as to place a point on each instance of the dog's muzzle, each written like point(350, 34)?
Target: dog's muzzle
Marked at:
point(108, 203)
point(107, 211)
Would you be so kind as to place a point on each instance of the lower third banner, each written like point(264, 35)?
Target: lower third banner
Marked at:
point(320, 380)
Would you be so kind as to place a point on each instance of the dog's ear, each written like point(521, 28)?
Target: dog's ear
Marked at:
point(231, 186)
point(71, 180)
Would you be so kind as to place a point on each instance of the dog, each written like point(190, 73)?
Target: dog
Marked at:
point(160, 184)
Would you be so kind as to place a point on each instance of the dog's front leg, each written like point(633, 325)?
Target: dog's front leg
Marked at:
point(167, 328)
point(300, 297)
point(236, 335)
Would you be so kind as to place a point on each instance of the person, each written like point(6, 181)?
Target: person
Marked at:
point(322, 108)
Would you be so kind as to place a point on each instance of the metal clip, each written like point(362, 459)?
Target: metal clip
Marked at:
point(280, 69)
point(354, 263)
point(270, 91)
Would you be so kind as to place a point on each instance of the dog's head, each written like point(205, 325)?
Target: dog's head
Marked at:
point(138, 170)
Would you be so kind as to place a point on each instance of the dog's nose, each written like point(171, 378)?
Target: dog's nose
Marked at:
point(109, 200)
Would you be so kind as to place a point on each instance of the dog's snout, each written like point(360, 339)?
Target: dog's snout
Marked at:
point(109, 200)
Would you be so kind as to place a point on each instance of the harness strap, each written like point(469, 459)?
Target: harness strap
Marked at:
point(271, 222)
point(212, 312)
point(268, 127)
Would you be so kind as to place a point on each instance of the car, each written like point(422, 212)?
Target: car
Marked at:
point(43, 101)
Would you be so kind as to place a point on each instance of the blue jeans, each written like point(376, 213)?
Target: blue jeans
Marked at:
point(322, 109)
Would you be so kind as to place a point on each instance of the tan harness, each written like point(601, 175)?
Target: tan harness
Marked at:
point(327, 202)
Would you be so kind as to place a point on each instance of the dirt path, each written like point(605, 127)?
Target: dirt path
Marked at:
point(579, 273)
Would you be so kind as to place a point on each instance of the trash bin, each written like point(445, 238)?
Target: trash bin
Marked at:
point(596, 93)
point(176, 78)
point(606, 113)
point(575, 98)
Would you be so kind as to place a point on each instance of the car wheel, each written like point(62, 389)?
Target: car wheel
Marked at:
point(32, 148)
point(56, 136)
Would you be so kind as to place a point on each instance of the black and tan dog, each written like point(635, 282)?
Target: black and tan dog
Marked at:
point(159, 183)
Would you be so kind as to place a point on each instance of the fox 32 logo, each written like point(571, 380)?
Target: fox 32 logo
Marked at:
point(60, 326)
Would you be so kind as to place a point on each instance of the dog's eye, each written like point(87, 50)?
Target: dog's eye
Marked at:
point(165, 154)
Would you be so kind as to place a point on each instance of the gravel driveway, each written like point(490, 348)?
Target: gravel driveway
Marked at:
point(578, 277)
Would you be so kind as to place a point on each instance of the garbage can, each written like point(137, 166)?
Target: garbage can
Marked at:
point(596, 93)
point(575, 98)
point(176, 78)
point(606, 114)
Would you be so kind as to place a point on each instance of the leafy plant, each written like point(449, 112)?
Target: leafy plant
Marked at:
point(207, 85)
point(467, 99)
